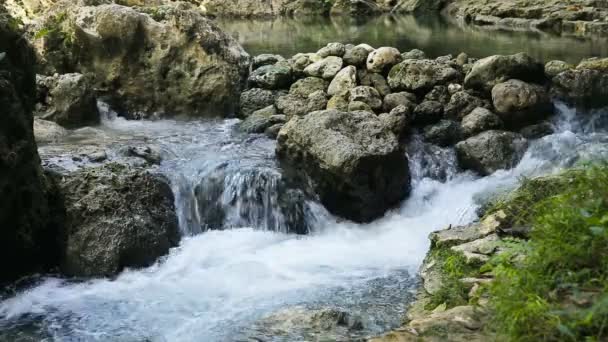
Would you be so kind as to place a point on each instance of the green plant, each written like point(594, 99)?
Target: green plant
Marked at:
point(558, 292)
point(453, 266)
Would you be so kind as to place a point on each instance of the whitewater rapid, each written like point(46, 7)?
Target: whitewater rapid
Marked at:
point(218, 283)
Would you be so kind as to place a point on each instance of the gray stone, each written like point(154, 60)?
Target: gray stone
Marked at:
point(491, 151)
point(271, 77)
point(306, 86)
point(519, 103)
point(414, 54)
point(117, 217)
point(367, 95)
point(344, 81)
point(265, 59)
point(428, 113)
point(398, 99)
point(421, 75)
point(255, 99)
point(332, 49)
point(354, 160)
point(382, 59)
point(327, 68)
point(357, 56)
point(444, 133)
point(462, 103)
point(479, 120)
point(488, 72)
point(48, 131)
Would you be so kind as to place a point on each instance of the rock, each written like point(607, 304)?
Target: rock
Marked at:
point(490, 151)
point(453, 88)
point(332, 49)
point(307, 86)
point(462, 59)
point(488, 72)
point(397, 120)
point(599, 64)
point(586, 87)
point(357, 56)
point(428, 113)
point(374, 80)
point(261, 120)
point(554, 68)
point(462, 103)
point(150, 153)
point(367, 95)
point(440, 94)
point(458, 235)
point(414, 54)
point(256, 99)
point(444, 133)
point(30, 238)
point(327, 68)
point(353, 159)
point(537, 131)
point(479, 251)
point(421, 75)
point(344, 81)
point(354, 106)
point(382, 59)
point(339, 102)
point(273, 131)
point(480, 120)
point(292, 105)
point(181, 64)
point(300, 61)
point(68, 100)
point(48, 131)
point(398, 99)
point(271, 77)
point(519, 103)
point(265, 59)
point(117, 217)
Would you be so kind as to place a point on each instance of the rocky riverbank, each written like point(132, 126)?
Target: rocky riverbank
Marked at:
point(474, 276)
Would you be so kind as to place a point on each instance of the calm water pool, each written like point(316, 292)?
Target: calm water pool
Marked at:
point(432, 34)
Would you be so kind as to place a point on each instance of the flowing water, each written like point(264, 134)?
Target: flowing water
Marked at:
point(260, 259)
point(431, 34)
point(236, 283)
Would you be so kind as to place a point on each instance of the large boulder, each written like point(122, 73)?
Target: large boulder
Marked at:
point(586, 85)
point(519, 103)
point(67, 99)
point(421, 75)
point(116, 217)
point(28, 236)
point(48, 131)
point(354, 160)
point(489, 71)
point(491, 151)
point(171, 61)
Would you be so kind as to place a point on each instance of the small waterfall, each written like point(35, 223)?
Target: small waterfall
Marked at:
point(431, 161)
point(232, 194)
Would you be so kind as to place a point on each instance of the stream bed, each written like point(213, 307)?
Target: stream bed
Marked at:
point(260, 259)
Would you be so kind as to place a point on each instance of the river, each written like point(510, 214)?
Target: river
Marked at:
point(241, 272)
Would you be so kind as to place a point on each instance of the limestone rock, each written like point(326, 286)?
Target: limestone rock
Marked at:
point(421, 75)
point(382, 59)
point(489, 71)
point(479, 120)
point(354, 160)
point(519, 103)
point(491, 151)
point(344, 81)
point(117, 217)
point(327, 68)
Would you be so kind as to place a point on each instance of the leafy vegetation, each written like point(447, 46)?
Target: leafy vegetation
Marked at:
point(57, 29)
point(558, 292)
point(453, 266)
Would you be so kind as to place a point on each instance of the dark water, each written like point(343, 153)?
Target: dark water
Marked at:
point(432, 34)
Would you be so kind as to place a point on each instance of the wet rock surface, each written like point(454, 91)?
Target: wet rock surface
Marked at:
point(339, 151)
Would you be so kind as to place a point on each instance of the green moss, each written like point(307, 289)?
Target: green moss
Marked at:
point(558, 291)
point(453, 266)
